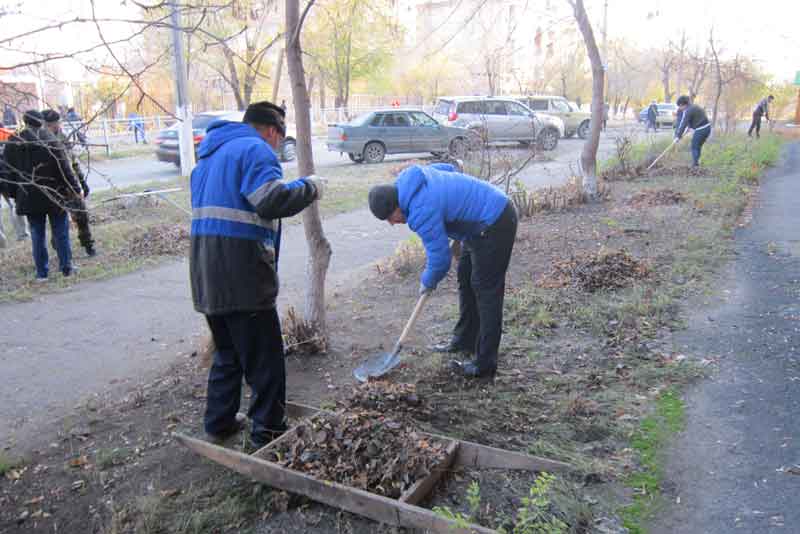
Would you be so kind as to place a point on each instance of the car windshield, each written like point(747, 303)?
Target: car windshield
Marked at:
point(573, 106)
point(360, 120)
point(442, 107)
point(201, 121)
point(560, 105)
point(667, 107)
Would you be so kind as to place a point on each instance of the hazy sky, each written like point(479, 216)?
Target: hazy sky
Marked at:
point(766, 29)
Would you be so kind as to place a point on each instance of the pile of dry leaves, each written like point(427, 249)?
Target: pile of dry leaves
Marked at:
point(361, 449)
point(161, 240)
point(397, 400)
point(604, 270)
point(659, 197)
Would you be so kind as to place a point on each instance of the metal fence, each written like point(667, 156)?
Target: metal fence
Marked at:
point(119, 133)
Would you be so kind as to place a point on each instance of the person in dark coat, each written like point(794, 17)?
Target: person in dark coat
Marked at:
point(238, 199)
point(694, 117)
point(762, 110)
point(652, 117)
point(45, 184)
point(77, 204)
point(438, 204)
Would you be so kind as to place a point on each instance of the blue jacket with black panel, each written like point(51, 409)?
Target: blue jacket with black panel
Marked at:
point(440, 203)
point(237, 199)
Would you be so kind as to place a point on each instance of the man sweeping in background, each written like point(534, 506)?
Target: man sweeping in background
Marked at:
point(762, 110)
point(694, 117)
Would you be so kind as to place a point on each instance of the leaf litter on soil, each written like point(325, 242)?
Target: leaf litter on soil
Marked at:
point(603, 270)
point(161, 240)
point(362, 449)
point(659, 197)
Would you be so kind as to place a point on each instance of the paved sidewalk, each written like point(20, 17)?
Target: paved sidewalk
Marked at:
point(736, 467)
point(63, 347)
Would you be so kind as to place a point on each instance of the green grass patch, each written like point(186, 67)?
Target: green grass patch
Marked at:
point(118, 224)
point(7, 463)
point(649, 442)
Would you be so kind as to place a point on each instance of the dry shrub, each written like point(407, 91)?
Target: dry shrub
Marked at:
point(580, 407)
point(529, 203)
point(604, 270)
point(301, 336)
point(408, 258)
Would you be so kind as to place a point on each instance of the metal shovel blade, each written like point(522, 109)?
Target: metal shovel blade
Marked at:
point(377, 366)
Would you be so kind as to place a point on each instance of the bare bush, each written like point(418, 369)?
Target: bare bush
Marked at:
point(408, 258)
point(529, 203)
point(301, 336)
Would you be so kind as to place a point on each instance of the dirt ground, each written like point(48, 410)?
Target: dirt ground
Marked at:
point(578, 371)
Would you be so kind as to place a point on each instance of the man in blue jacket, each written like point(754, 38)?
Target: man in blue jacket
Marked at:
point(237, 200)
point(439, 203)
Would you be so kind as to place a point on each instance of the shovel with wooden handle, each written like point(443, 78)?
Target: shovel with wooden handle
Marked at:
point(383, 363)
point(674, 142)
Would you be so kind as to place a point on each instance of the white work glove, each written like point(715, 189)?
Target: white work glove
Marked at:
point(319, 183)
point(424, 290)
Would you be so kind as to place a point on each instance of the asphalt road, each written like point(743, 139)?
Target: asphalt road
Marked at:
point(736, 468)
point(552, 169)
point(129, 172)
point(57, 351)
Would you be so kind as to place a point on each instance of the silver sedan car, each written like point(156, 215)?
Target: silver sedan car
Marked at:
point(369, 137)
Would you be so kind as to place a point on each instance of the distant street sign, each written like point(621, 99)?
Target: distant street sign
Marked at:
point(797, 78)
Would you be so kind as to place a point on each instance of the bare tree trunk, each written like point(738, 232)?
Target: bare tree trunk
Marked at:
point(665, 82)
point(319, 249)
point(234, 78)
point(797, 109)
point(588, 159)
point(718, 69)
point(278, 70)
point(322, 102)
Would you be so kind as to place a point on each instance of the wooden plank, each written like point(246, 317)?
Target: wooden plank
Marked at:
point(286, 436)
point(421, 488)
point(474, 454)
point(484, 457)
point(295, 410)
point(370, 505)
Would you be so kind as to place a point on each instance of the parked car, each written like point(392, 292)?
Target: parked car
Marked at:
point(166, 141)
point(369, 137)
point(575, 120)
point(499, 119)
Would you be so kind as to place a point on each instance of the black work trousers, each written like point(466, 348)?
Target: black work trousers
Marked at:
point(80, 216)
point(756, 124)
point(249, 345)
point(481, 288)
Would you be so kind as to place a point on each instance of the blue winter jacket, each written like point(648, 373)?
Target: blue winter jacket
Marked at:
point(237, 196)
point(440, 203)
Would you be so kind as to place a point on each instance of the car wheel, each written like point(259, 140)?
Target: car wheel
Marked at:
point(548, 139)
point(354, 158)
point(374, 152)
point(477, 139)
point(458, 148)
point(288, 149)
point(583, 130)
